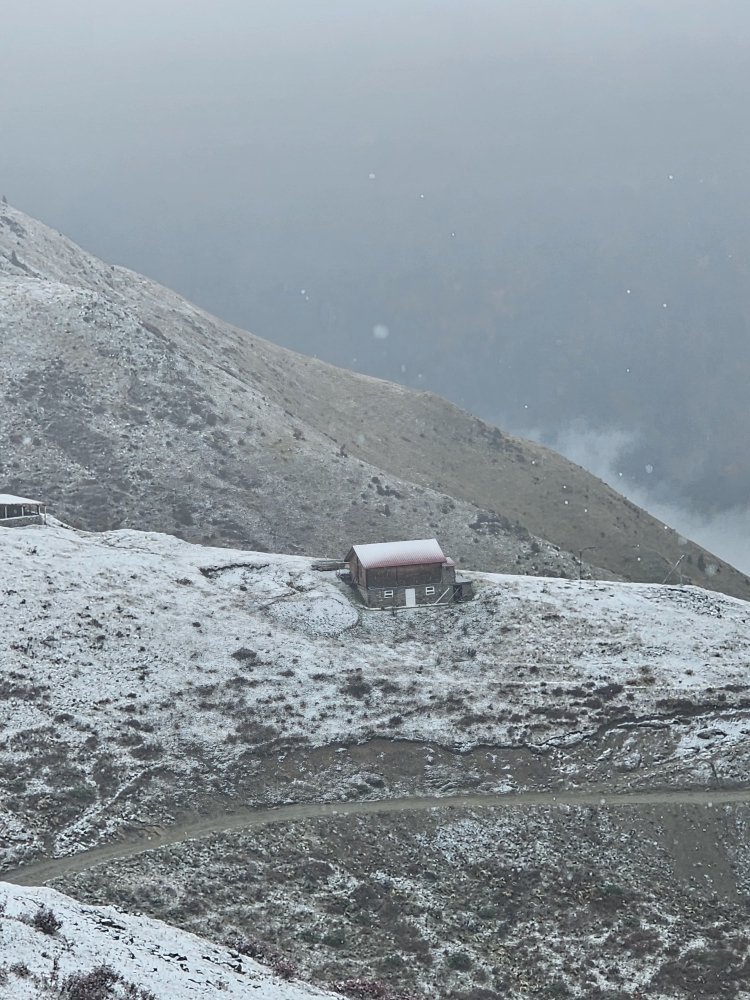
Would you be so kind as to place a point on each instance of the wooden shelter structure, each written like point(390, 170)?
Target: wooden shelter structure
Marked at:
point(405, 574)
point(15, 512)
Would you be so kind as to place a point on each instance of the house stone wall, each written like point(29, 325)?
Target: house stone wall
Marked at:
point(375, 597)
point(21, 522)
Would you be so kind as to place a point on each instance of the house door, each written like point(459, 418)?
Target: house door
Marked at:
point(411, 597)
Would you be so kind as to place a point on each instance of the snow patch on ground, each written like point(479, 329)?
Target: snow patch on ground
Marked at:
point(317, 613)
point(133, 664)
point(155, 957)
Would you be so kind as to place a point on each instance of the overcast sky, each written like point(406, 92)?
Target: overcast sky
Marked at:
point(252, 127)
point(482, 180)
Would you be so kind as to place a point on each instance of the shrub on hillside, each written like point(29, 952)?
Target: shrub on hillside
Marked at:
point(243, 653)
point(263, 952)
point(370, 989)
point(458, 960)
point(100, 984)
point(44, 920)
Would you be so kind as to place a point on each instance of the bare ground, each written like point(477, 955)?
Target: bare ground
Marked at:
point(642, 897)
point(606, 880)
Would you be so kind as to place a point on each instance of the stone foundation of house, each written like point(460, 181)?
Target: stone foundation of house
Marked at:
point(414, 597)
point(21, 522)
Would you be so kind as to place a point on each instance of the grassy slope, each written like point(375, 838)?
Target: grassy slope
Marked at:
point(97, 346)
point(426, 439)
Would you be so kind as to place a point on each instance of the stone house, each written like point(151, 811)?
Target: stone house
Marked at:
point(15, 512)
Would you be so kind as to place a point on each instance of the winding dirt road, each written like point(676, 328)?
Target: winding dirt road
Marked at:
point(41, 872)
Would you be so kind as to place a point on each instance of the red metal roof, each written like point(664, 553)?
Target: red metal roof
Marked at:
point(381, 554)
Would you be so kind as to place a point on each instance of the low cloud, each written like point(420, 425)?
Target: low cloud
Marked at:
point(601, 452)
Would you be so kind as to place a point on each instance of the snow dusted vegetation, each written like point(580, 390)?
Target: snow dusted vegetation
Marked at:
point(481, 903)
point(125, 406)
point(52, 946)
point(144, 678)
point(538, 790)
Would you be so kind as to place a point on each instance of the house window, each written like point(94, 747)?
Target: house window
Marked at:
point(429, 590)
point(387, 593)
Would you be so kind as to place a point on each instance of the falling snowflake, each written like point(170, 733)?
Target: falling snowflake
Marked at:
point(649, 469)
point(380, 332)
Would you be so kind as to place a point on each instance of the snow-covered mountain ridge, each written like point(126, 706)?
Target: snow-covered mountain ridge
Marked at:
point(142, 676)
point(159, 961)
point(123, 405)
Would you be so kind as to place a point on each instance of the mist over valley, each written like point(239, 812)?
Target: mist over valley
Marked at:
point(374, 492)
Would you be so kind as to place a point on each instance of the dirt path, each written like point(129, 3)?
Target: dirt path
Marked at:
point(154, 837)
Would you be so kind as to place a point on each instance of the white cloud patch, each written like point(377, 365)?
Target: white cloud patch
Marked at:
point(601, 452)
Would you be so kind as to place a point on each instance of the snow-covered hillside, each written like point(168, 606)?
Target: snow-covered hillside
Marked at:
point(158, 961)
point(125, 406)
point(140, 674)
point(122, 405)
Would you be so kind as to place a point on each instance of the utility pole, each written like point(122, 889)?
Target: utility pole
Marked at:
point(673, 569)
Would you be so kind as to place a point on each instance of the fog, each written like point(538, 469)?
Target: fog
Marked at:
point(604, 452)
point(537, 209)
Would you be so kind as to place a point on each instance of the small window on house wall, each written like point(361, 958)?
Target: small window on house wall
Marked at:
point(387, 593)
point(429, 590)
